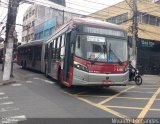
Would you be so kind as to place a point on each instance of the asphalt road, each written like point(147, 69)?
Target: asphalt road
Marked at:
point(35, 96)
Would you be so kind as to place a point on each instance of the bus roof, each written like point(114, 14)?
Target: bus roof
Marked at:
point(32, 43)
point(95, 22)
point(86, 21)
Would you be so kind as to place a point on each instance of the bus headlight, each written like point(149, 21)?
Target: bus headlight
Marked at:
point(80, 66)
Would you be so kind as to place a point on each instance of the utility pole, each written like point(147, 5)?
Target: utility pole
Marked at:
point(134, 32)
point(10, 32)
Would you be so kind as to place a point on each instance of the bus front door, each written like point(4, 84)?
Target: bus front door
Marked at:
point(49, 58)
point(67, 59)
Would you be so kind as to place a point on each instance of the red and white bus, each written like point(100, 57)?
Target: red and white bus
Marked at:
point(84, 52)
point(88, 52)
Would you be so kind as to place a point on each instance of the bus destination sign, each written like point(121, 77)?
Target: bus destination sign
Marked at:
point(110, 32)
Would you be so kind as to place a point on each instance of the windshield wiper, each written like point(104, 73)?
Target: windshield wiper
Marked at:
point(93, 61)
point(119, 61)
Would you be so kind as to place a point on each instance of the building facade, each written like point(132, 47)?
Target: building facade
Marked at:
point(148, 42)
point(50, 19)
point(39, 22)
point(28, 24)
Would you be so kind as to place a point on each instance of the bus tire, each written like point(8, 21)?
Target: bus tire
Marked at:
point(60, 78)
point(45, 71)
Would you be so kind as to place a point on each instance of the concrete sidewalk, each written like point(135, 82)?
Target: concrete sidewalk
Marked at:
point(151, 79)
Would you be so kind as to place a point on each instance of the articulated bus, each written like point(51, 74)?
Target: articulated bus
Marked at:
point(30, 55)
point(81, 52)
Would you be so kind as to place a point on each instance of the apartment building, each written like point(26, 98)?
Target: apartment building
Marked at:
point(49, 19)
point(28, 24)
point(39, 22)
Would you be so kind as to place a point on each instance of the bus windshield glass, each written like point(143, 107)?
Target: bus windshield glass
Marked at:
point(101, 49)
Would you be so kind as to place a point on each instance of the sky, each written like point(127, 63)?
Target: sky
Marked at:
point(81, 6)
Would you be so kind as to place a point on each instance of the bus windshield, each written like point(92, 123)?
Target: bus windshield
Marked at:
point(101, 49)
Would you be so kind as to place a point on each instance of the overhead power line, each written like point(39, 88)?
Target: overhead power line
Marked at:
point(114, 12)
point(129, 4)
point(82, 5)
point(106, 4)
point(79, 10)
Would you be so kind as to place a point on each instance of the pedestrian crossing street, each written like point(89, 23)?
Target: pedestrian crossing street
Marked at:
point(9, 113)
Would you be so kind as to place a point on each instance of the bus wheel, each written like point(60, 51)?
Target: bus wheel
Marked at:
point(60, 79)
point(45, 71)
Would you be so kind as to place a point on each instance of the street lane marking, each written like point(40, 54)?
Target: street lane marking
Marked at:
point(14, 119)
point(125, 107)
point(1, 93)
point(8, 109)
point(29, 82)
point(47, 81)
point(19, 117)
point(102, 107)
point(99, 106)
point(16, 85)
point(146, 88)
point(149, 104)
point(3, 98)
point(116, 95)
point(115, 98)
point(7, 103)
point(139, 92)
point(154, 109)
point(147, 85)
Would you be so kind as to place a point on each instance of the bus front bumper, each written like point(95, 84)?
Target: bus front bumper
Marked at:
point(93, 79)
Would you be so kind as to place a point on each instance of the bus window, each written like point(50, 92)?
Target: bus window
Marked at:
point(30, 53)
point(58, 48)
point(78, 50)
point(62, 52)
point(97, 48)
point(35, 53)
point(78, 44)
point(53, 49)
point(55, 57)
point(39, 52)
point(46, 51)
